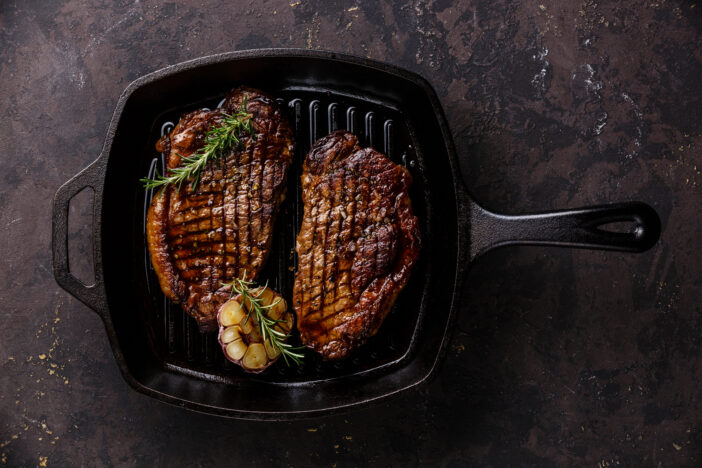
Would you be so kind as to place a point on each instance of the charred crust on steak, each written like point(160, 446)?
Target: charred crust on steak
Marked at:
point(200, 238)
point(358, 242)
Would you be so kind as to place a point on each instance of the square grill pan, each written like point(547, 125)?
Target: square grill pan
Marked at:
point(157, 346)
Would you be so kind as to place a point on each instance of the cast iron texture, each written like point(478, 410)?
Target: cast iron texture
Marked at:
point(455, 229)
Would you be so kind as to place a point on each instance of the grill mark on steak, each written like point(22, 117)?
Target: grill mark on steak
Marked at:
point(237, 241)
point(330, 249)
point(224, 262)
point(358, 242)
point(244, 218)
point(211, 276)
point(203, 237)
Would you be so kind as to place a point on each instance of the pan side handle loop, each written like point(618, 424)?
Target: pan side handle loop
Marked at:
point(93, 295)
point(582, 228)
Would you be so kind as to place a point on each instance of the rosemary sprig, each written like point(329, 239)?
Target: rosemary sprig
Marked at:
point(218, 140)
point(251, 295)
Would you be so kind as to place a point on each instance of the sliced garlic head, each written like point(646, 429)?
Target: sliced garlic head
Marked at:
point(240, 333)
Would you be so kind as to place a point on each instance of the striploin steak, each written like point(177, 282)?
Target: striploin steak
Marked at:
point(358, 242)
point(202, 236)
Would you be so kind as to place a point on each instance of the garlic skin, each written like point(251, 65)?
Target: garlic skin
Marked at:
point(239, 331)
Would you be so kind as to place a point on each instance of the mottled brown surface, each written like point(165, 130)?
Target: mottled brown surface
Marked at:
point(557, 357)
point(203, 235)
point(357, 244)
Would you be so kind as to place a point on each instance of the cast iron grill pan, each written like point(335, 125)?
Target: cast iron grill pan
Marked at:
point(312, 114)
point(157, 347)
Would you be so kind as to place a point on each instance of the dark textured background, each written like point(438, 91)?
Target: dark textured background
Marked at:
point(558, 357)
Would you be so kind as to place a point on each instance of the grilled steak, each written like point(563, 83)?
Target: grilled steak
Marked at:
point(358, 242)
point(200, 238)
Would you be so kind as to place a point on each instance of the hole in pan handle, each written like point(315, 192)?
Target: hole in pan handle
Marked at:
point(581, 227)
point(91, 295)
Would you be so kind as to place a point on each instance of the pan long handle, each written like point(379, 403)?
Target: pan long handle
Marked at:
point(91, 295)
point(582, 227)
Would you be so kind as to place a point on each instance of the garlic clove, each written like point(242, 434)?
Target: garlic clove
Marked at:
point(231, 313)
point(271, 351)
point(236, 349)
point(248, 325)
point(278, 309)
point(267, 296)
point(230, 334)
point(255, 357)
point(286, 325)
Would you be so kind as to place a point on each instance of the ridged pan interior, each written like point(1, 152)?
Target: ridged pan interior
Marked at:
point(313, 113)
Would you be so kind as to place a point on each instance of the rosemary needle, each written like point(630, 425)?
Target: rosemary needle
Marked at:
point(219, 139)
point(250, 294)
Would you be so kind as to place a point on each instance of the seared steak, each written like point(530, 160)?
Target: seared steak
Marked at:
point(358, 242)
point(200, 238)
